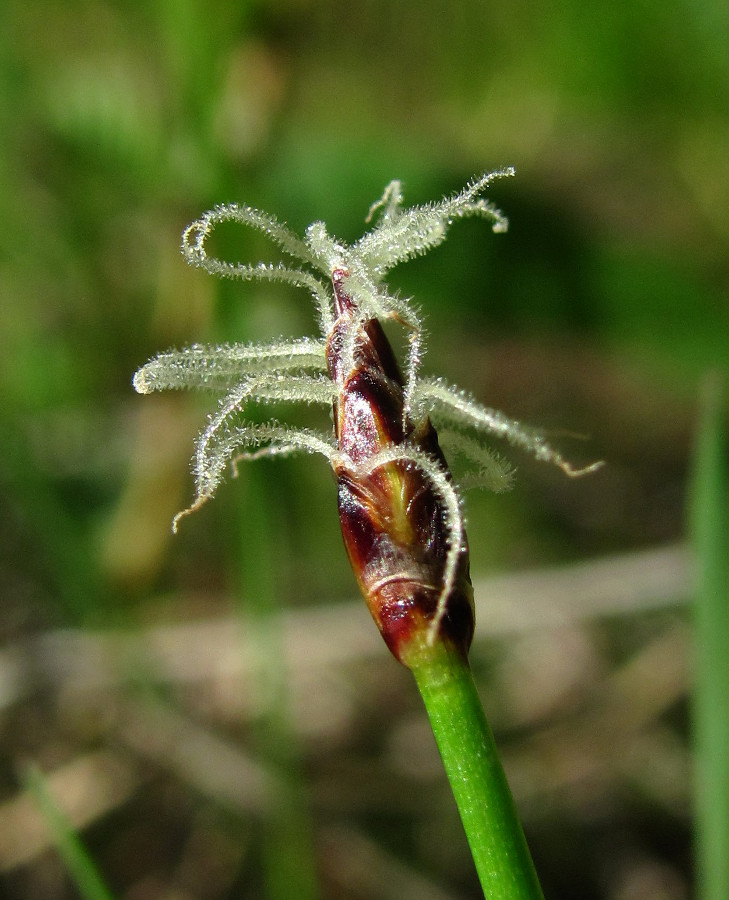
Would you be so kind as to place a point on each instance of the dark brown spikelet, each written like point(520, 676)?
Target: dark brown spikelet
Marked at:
point(394, 522)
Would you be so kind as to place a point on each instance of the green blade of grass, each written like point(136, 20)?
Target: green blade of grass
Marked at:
point(70, 847)
point(709, 525)
point(288, 842)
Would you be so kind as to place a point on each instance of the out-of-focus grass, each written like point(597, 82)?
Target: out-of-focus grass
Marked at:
point(74, 854)
point(710, 539)
point(263, 558)
point(597, 313)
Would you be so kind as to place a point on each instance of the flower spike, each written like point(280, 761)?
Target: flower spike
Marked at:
point(399, 508)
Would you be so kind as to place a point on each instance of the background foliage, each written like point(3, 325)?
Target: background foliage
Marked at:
point(597, 313)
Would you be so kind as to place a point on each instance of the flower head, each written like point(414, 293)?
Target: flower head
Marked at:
point(399, 509)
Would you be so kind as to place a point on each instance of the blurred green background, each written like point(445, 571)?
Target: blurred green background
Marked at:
point(596, 315)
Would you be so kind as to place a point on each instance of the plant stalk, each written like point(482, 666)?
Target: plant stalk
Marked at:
point(476, 776)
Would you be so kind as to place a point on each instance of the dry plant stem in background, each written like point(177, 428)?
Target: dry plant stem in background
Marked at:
point(399, 508)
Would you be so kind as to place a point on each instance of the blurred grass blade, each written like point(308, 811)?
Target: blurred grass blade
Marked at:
point(289, 857)
point(709, 522)
point(78, 862)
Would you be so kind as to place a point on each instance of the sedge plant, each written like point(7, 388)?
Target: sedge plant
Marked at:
point(399, 506)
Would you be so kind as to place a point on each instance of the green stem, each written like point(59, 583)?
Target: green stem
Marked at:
point(467, 746)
